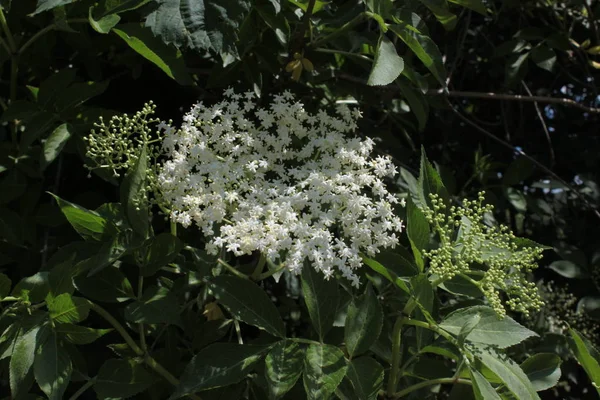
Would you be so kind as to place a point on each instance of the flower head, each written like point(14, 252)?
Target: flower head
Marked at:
point(280, 180)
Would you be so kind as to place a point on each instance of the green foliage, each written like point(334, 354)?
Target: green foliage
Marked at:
point(425, 321)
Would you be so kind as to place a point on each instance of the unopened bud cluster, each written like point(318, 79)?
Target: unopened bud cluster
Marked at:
point(293, 185)
point(469, 247)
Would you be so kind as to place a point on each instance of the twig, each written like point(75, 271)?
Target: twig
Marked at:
point(522, 153)
point(544, 126)
point(515, 97)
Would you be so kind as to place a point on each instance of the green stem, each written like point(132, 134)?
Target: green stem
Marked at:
point(431, 382)
point(141, 325)
point(275, 269)
point(82, 389)
point(47, 29)
point(174, 228)
point(9, 37)
point(232, 270)
point(422, 324)
point(259, 267)
point(394, 376)
point(342, 30)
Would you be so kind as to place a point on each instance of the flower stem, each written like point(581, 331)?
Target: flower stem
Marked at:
point(431, 382)
point(232, 270)
point(396, 346)
point(259, 267)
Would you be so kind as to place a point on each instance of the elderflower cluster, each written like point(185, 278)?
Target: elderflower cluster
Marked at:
point(280, 180)
point(471, 248)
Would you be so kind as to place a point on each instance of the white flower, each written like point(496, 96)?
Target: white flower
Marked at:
point(295, 186)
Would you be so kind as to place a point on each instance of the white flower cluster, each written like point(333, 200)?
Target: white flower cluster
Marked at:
point(282, 181)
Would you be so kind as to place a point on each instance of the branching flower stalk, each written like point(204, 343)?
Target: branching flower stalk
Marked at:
point(470, 247)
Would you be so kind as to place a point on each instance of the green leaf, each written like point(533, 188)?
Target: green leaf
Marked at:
point(165, 57)
point(162, 251)
point(423, 293)
point(68, 309)
point(52, 368)
point(21, 361)
point(509, 372)
point(80, 334)
point(589, 305)
point(543, 370)
point(60, 278)
point(363, 323)
point(366, 376)
point(442, 12)
point(424, 48)
point(134, 197)
point(44, 5)
point(430, 182)
point(386, 273)
point(51, 87)
point(490, 329)
point(516, 67)
point(120, 6)
point(217, 365)
point(324, 369)
point(569, 269)
point(417, 229)
point(21, 110)
point(587, 356)
point(55, 143)
point(87, 223)
point(200, 25)
point(284, 365)
point(5, 285)
point(468, 327)
point(518, 171)
point(110, 251)
point(276, 21)
point(321, 297)
point(544, 57)
point(247, 302)
point(77, 94)
point(398, 260)
point(156, 306)
point(459, 285)
point(475, 5)
point(387, 66)
point(119, 379)
point(482, 389)
point(105, 23)
point(34, 287)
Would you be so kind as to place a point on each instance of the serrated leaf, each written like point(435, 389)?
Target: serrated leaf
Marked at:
point(324, 369)
point(21, 361)
point(430, 182)
point(321, 297)
point(200, 25)
point(482, 389)
point(366, 376)
point(52, 368)
point(55, 143)
point(134, 197)
point(247, 302)
point(387, 66)
point(544, 57)
point(417, 102)
point(165, 57)
point(284, 365)
point(68, 309)
point(424, 48)
point(34, 287)
point(80, 334)
point(363, 323)
point(217, 365)
point(543, 370)
point(103, 24)
point(587, 356)
point(119, 379)
point(490, 329)
point(468, 327)
point(509, 372)
point(89, 224)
